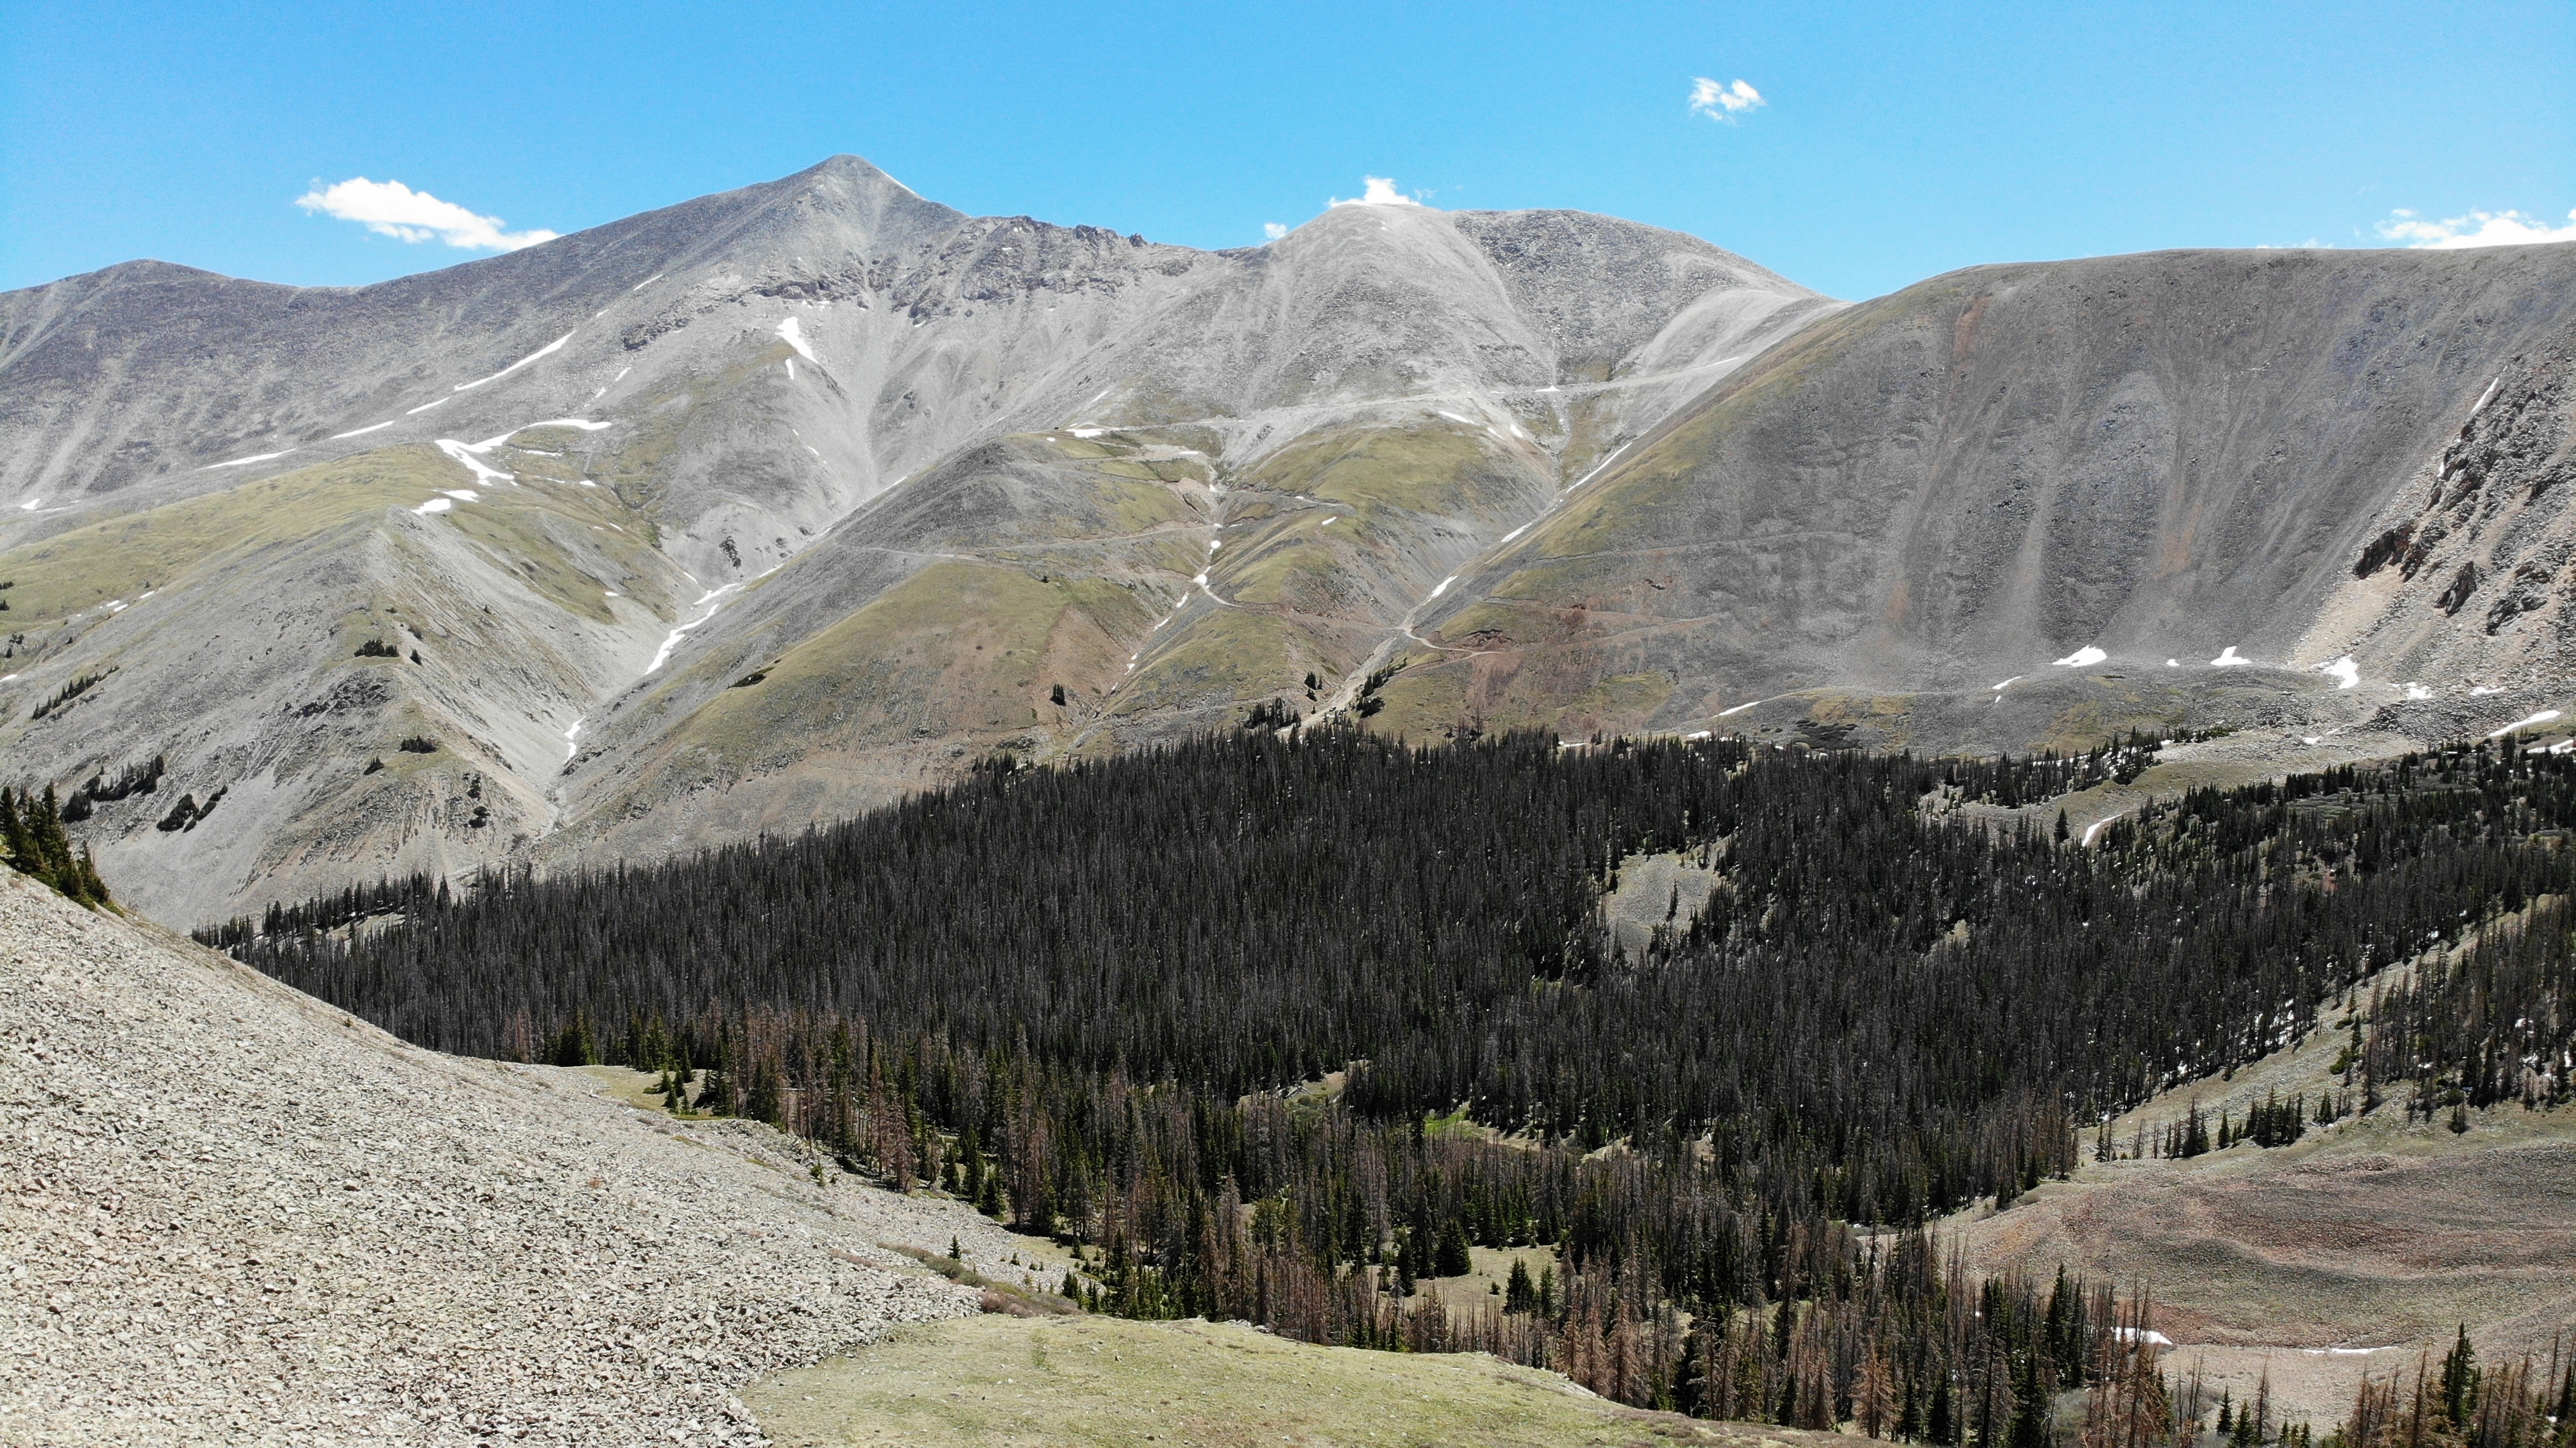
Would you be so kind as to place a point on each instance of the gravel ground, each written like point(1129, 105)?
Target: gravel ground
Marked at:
point(229, 1214)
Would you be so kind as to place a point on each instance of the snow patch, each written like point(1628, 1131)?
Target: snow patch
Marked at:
point(363, 431)
point(1516, 532)
point(426, 406)
point(2173, 663)
point(2487, 396)
point(2543, 717)
point(712, 600)
point(648, 281)
point(2417, 691)
point(465, 454)
point(1089, 432)
point(1442, 587)
point(1695, 734)
point(436, 505)
point(2008, 683)
point(2083, 658)
point(513, 367)
point(1738, 709)
point(244, 462)
point(29, 506)
point(2343, 671)
point(463, 495)
point(2229, 659)
point(791, 364)
point(2480, 691)
point(792, 332)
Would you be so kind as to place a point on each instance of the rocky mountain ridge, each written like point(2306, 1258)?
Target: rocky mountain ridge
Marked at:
point(760, 509)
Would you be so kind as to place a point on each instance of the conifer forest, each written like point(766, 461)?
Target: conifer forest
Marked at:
point(1276, 1025)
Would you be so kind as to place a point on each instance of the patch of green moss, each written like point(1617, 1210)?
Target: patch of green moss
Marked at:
point(959, 647)
point(1422, 467)
point(118, 558)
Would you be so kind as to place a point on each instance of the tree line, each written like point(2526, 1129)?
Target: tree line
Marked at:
point(1276, 1027)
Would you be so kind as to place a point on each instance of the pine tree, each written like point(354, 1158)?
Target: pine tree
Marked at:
point(14, 836)
point(1519, 1294)
point(1452, 1258)
point(766, 1102)
point(2459, 1383)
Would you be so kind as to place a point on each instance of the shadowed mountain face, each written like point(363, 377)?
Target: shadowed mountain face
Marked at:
point(766, 507)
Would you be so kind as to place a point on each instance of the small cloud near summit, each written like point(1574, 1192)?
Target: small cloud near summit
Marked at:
point(389, 208)
point(1273, 230)
point(1381, 192)
point(1722, 102)
point(2478, 228)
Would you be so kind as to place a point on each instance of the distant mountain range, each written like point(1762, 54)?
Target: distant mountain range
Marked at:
point(760, 509)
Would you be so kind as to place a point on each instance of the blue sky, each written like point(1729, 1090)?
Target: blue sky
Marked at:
point(1889, 143)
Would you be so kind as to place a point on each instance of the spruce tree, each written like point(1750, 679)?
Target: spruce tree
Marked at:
point(2460, 1380)
point(1453, 1259)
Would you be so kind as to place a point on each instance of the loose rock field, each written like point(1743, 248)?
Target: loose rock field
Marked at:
point(229, 1214)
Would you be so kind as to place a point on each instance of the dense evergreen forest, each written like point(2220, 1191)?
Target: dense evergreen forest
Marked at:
point(1281, 1025)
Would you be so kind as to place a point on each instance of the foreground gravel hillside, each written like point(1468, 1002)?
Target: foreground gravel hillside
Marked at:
point(228, 1214)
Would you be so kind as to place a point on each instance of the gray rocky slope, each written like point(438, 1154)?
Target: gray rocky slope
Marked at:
point(523, 478)
point(760, 509)
point(230, 1215)
point(2095, 480)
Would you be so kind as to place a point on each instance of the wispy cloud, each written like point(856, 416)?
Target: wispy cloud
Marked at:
point(1381, 192)
point(2478, 228)
point(389, 208)
point(1273, 230)
point(1722, 102)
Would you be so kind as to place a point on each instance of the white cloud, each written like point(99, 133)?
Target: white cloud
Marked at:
point(1381, 192)
point(389, 208)
point(2478, 228)
point(1722, 102)
point(1273, 230)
